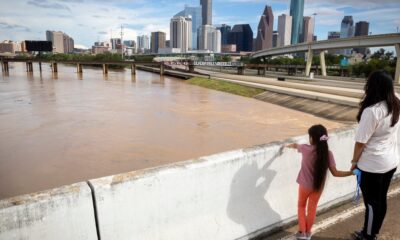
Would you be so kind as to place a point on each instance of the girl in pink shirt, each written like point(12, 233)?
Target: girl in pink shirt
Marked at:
point(316, 160)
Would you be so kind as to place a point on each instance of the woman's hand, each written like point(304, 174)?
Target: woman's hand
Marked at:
point(353, 165)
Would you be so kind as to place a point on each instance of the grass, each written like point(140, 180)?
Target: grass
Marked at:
point(223, 86)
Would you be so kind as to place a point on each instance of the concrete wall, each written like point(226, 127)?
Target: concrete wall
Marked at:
point(236, 194)
point(232, 195)
point(61, 213)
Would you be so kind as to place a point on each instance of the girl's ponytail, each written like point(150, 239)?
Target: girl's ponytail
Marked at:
point(319, 136)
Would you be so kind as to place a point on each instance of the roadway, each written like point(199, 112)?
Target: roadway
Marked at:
point(340, 222)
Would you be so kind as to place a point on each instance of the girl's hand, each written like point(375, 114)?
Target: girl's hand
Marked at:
point(292, 145)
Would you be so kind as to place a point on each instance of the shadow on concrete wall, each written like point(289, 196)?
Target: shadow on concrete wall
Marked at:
point(247, 204)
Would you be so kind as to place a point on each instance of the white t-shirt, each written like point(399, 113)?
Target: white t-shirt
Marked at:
point(380, 154)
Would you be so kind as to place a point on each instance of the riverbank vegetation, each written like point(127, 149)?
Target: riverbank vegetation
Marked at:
point(224, 86)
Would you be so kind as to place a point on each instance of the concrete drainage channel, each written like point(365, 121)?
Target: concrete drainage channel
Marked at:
point(239, 194)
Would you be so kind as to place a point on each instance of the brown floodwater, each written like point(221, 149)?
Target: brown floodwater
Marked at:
point(64, 128)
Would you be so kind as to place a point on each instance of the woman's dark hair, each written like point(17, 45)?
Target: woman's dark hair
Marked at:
point(322, 151)
point(379, 87)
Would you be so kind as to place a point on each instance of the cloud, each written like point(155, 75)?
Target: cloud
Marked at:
point(45, 4)
point(14, 27)
point(71, 1)
point(102, 32)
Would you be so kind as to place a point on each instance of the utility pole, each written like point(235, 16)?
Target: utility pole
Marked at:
point(314, 34)
point(122, 42)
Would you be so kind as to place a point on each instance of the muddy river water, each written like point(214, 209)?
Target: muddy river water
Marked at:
point(64, 128)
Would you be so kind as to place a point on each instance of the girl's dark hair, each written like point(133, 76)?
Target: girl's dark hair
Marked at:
point(322, 151)
point(379, 87)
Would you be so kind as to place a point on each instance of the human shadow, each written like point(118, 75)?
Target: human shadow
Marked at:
point(247, 204)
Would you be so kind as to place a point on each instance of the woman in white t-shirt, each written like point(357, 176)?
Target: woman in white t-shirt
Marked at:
point(375, 151)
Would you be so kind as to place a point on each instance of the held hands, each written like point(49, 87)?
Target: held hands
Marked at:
point(353, 165)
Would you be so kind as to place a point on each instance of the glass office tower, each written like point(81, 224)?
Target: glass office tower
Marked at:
point(297, 12)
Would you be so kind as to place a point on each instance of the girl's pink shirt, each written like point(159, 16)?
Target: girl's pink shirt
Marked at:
point(306, 173)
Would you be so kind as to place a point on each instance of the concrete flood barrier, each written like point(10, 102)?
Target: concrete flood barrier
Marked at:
point(238, 194)
point(60, 213)
point(233, 195)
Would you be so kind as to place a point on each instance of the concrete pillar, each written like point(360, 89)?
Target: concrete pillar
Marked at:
point(397, 75)
point(54, 68)
point(28, 67)
point(322, 61)
point(309, 61)
point(105, 68)
point(191, 67)
point(265, 70)
point(133, 69)
point(240, 70)
point(162, 69)
point(258, 71)
point(79, 68)
point(4, 67)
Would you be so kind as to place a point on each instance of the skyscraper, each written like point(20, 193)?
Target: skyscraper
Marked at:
point(181, 33)
point(206, 12)
point(195, 14)
point(333, 35)
point(265, 30)
point(346, 31)
point(362, 29)
point(62, 43)
point(284, 30)
point(210, 38)
point(242, 36)
point(297, 12)
point(115, 43)
point(308, 29)
point(157, 41)
point(275, 36)
point(143, 43)
point(224, 29)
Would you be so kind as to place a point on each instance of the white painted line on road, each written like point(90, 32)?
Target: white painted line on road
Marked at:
point(324, 224)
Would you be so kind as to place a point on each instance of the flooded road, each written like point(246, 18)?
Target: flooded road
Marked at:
point(62, 129)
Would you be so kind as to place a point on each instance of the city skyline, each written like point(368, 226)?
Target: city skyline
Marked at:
point(88, 22)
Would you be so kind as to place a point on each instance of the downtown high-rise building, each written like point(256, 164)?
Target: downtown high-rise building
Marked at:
point(334, 35)
point(181, 33)
point(346, 31)
point(195, 14)
point(265, 30)
point(361, 29)
point(275, 37)
point(308, 29)
point(116, 43)
point(297, 13)
point(206, 12)
point(157, 41)
point(284, 30)
point(210, 38)
point(143, 43)
point(225, 30)
point(242, 36)
point(62, 43)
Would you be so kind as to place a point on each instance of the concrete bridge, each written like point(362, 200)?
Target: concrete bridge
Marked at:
point(381, 40)
point(79, 64)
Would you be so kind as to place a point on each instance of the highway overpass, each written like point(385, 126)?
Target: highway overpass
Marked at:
point(381, 40)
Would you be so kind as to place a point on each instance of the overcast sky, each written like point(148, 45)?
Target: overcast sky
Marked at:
point(88, 21)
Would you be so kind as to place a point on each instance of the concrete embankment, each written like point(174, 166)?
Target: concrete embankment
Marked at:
point(232, 195)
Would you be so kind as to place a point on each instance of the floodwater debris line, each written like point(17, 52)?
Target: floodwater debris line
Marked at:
point(225, 86)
